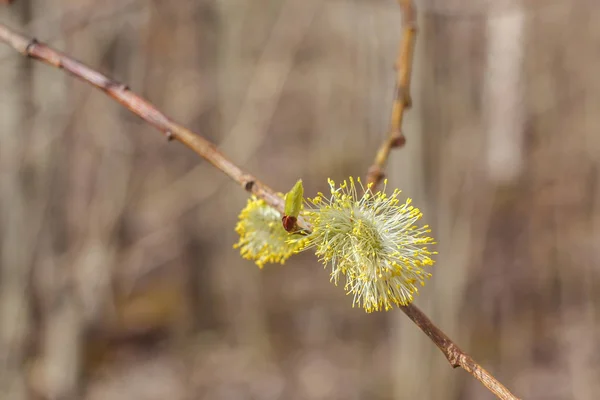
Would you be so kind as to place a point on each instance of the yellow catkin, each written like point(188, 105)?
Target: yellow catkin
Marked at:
point(262, 236)
point(371, 239)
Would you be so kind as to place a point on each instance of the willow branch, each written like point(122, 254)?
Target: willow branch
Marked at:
point(402, 101)
point(402, 98)
point(142, 108)
point(207, 150)
point(456, 357)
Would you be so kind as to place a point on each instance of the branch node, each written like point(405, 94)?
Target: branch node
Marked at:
point(411, 26)
point(403, 95)
point(116, 86)
point(375, 174)
point(398, 141)
point(170, 136)
point(454, 354)
point(33, 42)
point(248, 185)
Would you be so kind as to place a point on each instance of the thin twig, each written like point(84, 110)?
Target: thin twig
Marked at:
point(402, 101)
point(205, 149)
point(402, 98)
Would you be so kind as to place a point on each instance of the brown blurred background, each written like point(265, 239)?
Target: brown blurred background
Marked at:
point(117, 275)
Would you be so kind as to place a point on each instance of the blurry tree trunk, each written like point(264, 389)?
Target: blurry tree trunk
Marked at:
point(86, 182)
point(55, 373)
point(20, 215)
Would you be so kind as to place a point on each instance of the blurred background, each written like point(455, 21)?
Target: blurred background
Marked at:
point(117, 275)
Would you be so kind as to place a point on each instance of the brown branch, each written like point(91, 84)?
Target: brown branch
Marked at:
point(402, 98)
point(456, 357)
point(402, 101)
point(144, 109)
point(208, 151)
